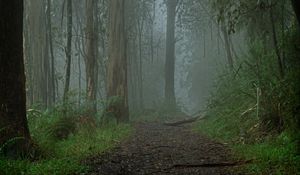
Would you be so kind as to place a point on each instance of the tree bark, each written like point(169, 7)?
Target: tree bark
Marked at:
point(13, 121)
point(117, 63)
point(170, 55)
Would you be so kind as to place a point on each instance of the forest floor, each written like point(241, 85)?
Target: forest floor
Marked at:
point(155, 148)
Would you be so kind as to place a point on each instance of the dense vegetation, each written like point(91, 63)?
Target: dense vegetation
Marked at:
point(62, 143)
point(256, 107)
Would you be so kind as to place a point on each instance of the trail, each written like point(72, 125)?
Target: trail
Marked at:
point(159, 149)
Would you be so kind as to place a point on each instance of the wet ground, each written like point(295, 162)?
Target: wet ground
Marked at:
point(159, 149)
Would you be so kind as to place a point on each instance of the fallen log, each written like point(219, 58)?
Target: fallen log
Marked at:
point(185, 121)
point(207, 165)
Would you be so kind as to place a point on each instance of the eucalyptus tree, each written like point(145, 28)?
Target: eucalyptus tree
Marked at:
point(68, 49)
point(117, 62)
point(92, 54)
point(14, 132)
point(170, 54)
point(52, 87)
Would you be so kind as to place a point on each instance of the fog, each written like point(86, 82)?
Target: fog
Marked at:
point(199, 51)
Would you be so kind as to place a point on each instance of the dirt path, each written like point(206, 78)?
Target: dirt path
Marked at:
point(159, 149)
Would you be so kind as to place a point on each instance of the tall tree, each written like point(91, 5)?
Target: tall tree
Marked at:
point(50, 38)
point(68, 48)
point(140, 31)
point(117, 63)
point(170, 54)
point(91, 53)
point(13, 121)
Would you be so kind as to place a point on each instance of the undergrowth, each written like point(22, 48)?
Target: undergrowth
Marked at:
point(253, 110)
point(64, 140)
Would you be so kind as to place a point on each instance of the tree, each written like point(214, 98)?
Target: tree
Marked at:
point(91, 53)
point(13, 121)
point(296, 6)
point(227, 45)
point(50, 38)
point(68, 48)
point(117, 63)
point(170, 54)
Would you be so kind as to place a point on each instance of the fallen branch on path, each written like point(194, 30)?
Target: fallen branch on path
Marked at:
point(220, 164)
point(181, 122)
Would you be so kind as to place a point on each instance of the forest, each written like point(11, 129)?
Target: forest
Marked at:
point(134, 87)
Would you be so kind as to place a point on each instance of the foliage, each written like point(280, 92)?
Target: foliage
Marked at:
point(82, 137)
point(254, 109)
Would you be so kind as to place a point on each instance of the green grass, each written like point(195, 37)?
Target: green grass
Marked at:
point(64, 156)
point(270, 154)
point(271, 157)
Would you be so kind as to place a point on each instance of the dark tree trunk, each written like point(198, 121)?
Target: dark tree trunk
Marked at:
point(275, 40)
point(13, 122)
point(296, 6)
point(117, 63)
point(68, 49)
point(170, 55)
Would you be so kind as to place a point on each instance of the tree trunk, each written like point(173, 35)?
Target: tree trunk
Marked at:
point(170, 55)
point(276, 47)
point(296, 6)
point(13, 121)
point(50, 38)
point(140, 74)
point(91, 53)
point(227, 45)
point(68, 49)
point(117, 63)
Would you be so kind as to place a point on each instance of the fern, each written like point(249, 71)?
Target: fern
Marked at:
point(10, 141)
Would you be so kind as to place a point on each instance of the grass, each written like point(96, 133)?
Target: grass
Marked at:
point(64, 156)
point(273, 154)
